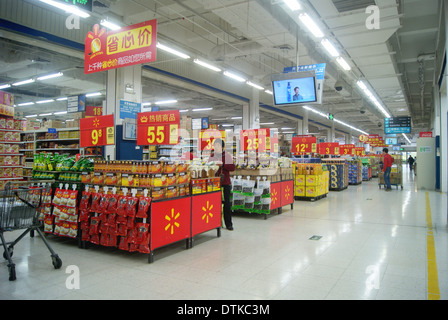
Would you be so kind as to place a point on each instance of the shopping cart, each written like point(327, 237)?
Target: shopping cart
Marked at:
point(19, 209)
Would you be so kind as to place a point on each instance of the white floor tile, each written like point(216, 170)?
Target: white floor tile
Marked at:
point(373, 246)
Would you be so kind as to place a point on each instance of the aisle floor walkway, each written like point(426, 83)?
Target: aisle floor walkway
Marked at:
point(374, 245)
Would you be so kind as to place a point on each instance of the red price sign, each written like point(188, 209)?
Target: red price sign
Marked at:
point(360, 151)
point(303, 144)
point(254, 139)
point(158, 128)
point(94, 111)
point(347, 150)
point(97, 131)
point(207, 138)
point(329, 148)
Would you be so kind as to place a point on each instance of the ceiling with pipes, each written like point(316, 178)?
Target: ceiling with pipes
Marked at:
point(393, 53)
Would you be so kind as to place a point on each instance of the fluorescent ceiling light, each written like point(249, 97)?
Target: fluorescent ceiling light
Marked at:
point(267, 123)
point(165, 102)
point(4, 86)
point(110, 25)
point(234, 76)
point(95, 94)
point(268, 92)
point(361, 84)
point(144, 104)
point(60, 112)
point(227, 125)
point(62, 99)
point(31, 116)
point(67, 8)
point(289, 132)
point(406, 137)
point(45, 114)
point(25, 104)
point(206, 65)
point(292, 4)
point(172, 51)
point(236, 118)
point(311, 25)
point(44, 101)
point(50, 76)
point(330, 48)
point(184, 110)
point(20, 83)
point(287, 128)
point(202, 109)
point(256, 86)
point(343, 64)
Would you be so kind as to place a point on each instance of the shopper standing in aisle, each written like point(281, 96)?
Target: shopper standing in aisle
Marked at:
point(226, 165)
point(411, 163)
point(387, 165)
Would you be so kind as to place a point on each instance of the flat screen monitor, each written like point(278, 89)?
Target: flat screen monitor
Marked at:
point(294, 88)
point(391, 141)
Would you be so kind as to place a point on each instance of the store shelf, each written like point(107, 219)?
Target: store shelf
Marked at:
point(57, 140)
point(57, 149)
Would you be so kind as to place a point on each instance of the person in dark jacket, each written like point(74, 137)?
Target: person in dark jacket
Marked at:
point(226, 165)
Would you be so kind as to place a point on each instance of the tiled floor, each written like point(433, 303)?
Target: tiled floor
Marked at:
point(373, 246)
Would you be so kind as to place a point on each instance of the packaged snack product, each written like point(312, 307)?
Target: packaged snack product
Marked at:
point(143, 207)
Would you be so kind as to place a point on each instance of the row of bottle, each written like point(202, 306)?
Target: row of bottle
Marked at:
point(308, 168)
point(140, 167)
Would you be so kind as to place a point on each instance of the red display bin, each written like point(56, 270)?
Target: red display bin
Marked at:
point(287, 196)
point(276, 195)
point(170, 222)
point(206, 213)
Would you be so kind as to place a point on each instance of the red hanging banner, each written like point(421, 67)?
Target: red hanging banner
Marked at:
point(360, 151)
point(303, 144)
point(254, 139)
point(347, 150)
point(328, 148)
point(128, 46)
point(97, 131)
point(158, 128)
point(207, 138)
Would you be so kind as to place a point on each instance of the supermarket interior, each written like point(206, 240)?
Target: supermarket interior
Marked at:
point(223, 150)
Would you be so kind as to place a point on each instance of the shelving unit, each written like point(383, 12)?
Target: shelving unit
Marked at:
point(38, 141)
point(157, 152)
point(11, 161)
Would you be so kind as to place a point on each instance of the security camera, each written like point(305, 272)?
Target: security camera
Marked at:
point(362, 110)
point(338, 86)
point(379, 124)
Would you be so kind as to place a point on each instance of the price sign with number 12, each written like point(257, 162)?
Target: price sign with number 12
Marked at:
point(97, 131)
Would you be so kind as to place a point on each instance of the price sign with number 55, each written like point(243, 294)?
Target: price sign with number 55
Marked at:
point(158, 128)
point(97, 131)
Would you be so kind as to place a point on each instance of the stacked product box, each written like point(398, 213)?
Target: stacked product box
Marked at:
point(338, 173)
point(311, 180)
point(354, 172)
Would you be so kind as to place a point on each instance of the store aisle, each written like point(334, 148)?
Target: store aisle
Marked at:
point(373, 245)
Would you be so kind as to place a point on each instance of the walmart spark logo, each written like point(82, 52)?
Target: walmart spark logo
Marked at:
point(274, 196)
point(287, 192)
point(208, 214)
point(172, 221)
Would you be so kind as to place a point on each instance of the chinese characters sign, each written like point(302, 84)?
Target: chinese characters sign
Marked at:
point(254, 139)
point(347, 149)
point(303, 144)
point(329, 148)
point(97, 131)
point(158, 128)
point(207, 138)
point(128, 46)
